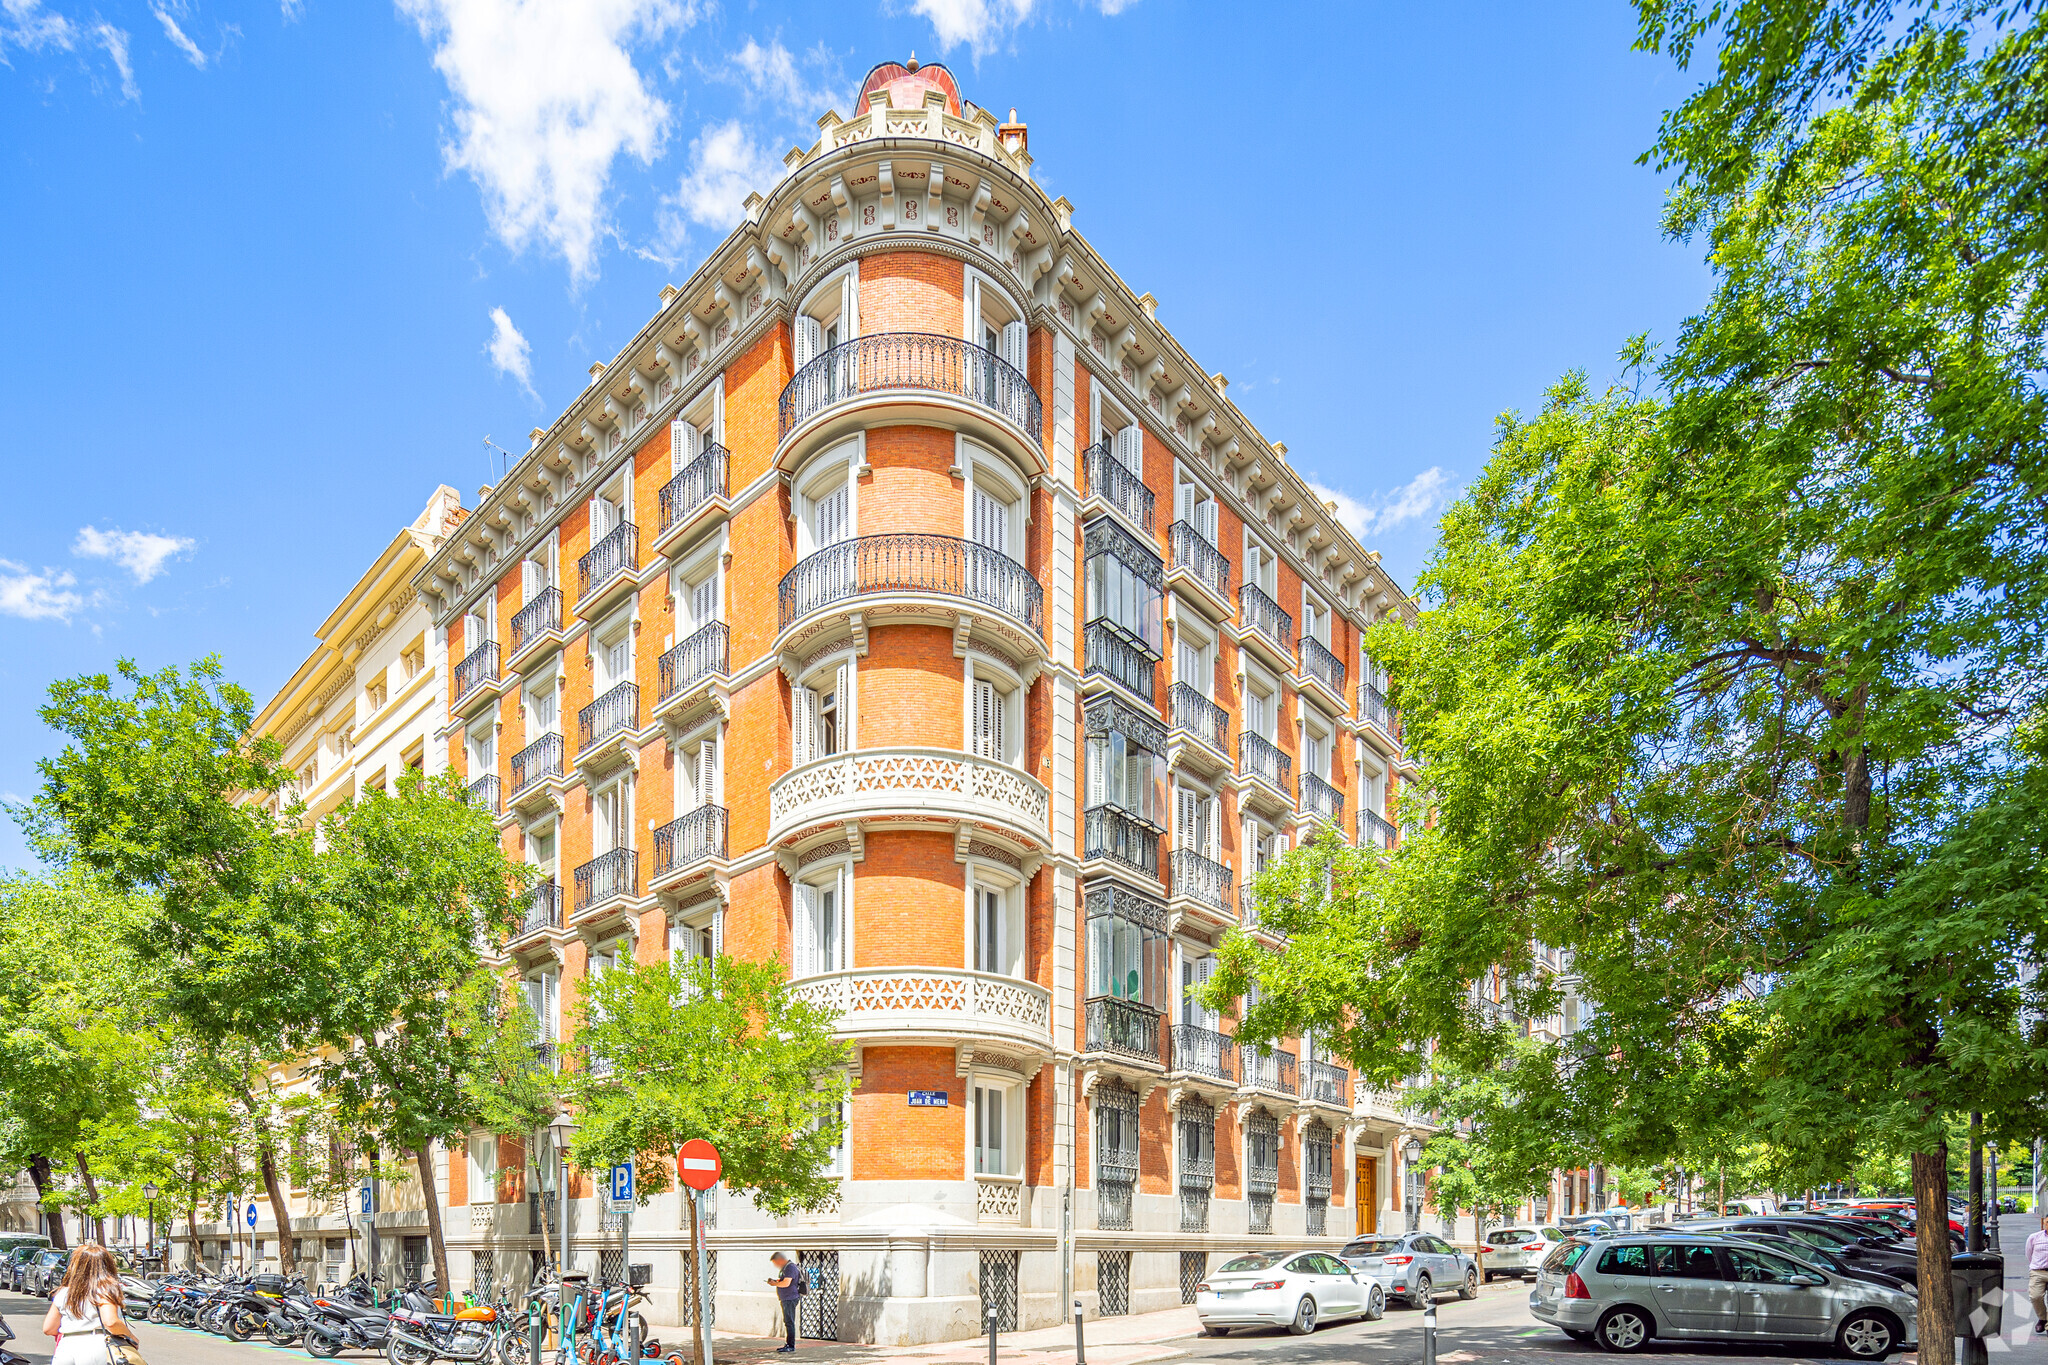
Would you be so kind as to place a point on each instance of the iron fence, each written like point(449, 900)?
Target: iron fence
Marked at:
point(1258, 756)
point(618, 709)
point(1200, 878)
point(911, 562)
point(478, 667)
point(1122, 1027)
point(1115, 653)
point(539, 616)
point(922, 362)
point(616, 873)
point(1375, 830)
point(1320, 799)
point(1319, 663)
point(1117, 486)
point(618, 552)
point(1111, 833)
point(483, 793)
point(1264, 615)
point(538, 760)
point(1201, 1051)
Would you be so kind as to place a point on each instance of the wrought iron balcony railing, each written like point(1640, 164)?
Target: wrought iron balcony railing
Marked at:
point(1115, 653)
point(478, 667)
point(1329, 1084)
point(1264, 1069)
point(617, 553)
point(911, 562)
point(1108, 832)
point(1122, 1027)
point(1260, 757)
point(1200, 878)
point(537, 617)
point(1319, 663)
point(1375, 830)
point(618, 709)
point(483, 793)
point(695, 484)
point(607, 876)
point(919, 362)
point(1320, 799)
point(1372, 708)
point(543, 908)
point(688, 838)
point(537, 761)
point(1192, 711)
point(1264, 615)
point(1193, 552)
point(1202, 1052)
point(703, 655)
point(1118, 486)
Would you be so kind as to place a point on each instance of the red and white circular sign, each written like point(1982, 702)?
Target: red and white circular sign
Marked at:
point(697, 1163)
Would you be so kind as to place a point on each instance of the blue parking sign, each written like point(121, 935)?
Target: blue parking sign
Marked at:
point(366, 1196)
point(622, 1183)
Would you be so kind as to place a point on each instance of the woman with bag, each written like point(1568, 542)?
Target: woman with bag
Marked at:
point(85, 1313)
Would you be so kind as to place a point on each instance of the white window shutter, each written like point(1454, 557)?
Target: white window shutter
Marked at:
point(1130, 449)
point(803, 725)
point(707, 773)
point(1212, 823)
point(1184, 502)
point(1016, 344)
point(704, 602)
point(849, 307)
point(528, 580)
point(843, 688)
point(1095, 756)
point(1184, 818)
point(803, 931)
point(717, 933)
point(1205, 519)
point(682, 445)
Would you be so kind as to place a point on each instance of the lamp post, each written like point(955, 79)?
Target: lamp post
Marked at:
point(561, 1129)
point(150, 1192)
point(1411, 1210)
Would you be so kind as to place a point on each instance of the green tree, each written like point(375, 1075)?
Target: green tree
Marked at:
point(723, 1051)
point(515, 1083)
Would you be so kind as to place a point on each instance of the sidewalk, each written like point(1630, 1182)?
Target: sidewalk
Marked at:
point(1111, 1341)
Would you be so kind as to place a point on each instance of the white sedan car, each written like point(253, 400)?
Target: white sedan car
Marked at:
point(1519, 1250)
point(1291, 1289)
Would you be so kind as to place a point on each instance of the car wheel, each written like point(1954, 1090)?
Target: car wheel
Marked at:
point(1470, 1288)
point(1304, 1317)
point(1425, 1290)
point(1867, 1335)
point(1623, 1329)
point(1375, 1304)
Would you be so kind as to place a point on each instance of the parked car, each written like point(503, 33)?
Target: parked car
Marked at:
point(1824, 1259)
point(1879, 1254)
point(1622, 1292)
point(1518, 1250)
point(1413, 1266)
point(12, 1264)
point(46, 1272)
point(1293, 1289)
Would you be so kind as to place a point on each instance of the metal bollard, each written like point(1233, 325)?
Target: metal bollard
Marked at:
point(991, 1336)
point(1080, 1346)
point(1429, 1333)
point(632, 1336)
point(536, 1329)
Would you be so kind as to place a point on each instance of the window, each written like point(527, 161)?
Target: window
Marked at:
point(1261, 713)
point(413, 661)
point(1193, 505)
point(996, 1112)
point(613, 656)
point(836, 1163)
point(829, 316)
point(697, 599)
point(1261, 569)
point(1687, 1262)
point(1759, 1267)
point(376, 694)
point(991, 517)
point(1195, 972)
point(543, 1003)
point(1315, 751)
point(821, 714)
point(1194, 661)
point(482, 751)
point(542, 714)
point(611, 823)
point(818, 923)
point(995, 722)
point(1315, 620)
point(998, 929)
point(1124, 582)
point(537, 573)
point(824, 502)
point(1126, 946)
point(1126, 760)
point(540, 850)
point(699, 779)
point(1196, 818)
point(483, 1168)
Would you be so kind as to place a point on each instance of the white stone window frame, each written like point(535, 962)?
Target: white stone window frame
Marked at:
point(1258, 679)
point(1310, 722)
point(1186, 952)
point(541, 567)
point(986, 873)
point(546, 681)
point(1185, 476)
point(822, 676)
point(837, 871)
point(1181, 780)
point(704, 415)
point(1010, 686)
point(978, 290)
point(1315, 616)
point(1261, 564)
point(979, 467)
point(617, 489)
point(841, 465)
point(685, 749)
point(603, 635)
point(482, 736)
point(1187, 631)
point(1013, 1089)
point(706, 562)
point(689, 921)
point(835, 298)
point(483, 1169)
point(621, 782)
point(547, 826)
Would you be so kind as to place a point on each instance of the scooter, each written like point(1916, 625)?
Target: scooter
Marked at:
point(8, 1357)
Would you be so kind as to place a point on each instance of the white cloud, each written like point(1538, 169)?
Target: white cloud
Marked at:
point(141, 553)
point(28, 26)
point(1418, 497)
point(776, 74)
point(509, 351)
point(726, 165)
point(1112, 8)
point(178, 38)
point(546, 97)
point(981, 24)
point(115, 41)
point(44, 596)
point(292, 9)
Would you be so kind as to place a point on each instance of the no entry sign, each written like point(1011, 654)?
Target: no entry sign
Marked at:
point(697, 1163)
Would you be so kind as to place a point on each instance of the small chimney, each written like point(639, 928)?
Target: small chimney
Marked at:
point(596, 370)
point(1014, 135)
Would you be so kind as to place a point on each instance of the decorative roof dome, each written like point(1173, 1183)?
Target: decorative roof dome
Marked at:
point(907, 84)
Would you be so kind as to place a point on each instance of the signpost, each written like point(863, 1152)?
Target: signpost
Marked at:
point(698, 1166)
point(251, 1219)
point(621, 1191)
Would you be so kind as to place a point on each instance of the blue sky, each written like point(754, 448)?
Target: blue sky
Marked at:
point(269, 272)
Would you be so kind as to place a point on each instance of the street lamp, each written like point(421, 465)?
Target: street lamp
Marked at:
point(560, 1129)
point(1411, 1206)
point(150, 1192)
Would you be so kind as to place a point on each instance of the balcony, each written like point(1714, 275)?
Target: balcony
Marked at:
point(689, 839)
point(477, 675)
point(697, 483)
point(944, 566)
point(1320, 800)
point(535, 763)
point(1323, 669)
point(1197, 1051)
point(1328, 1084)
point(1189, 710)
point(607, 877)
point(1263, 1069)
point(929, 784)
point(912, 364)
point(1259, 759)
point(1374, 830)
point(703, 655)
point(1201, 563)
point(543, 909)
point(1201, 879)
point(1372, 709)
point(1266, 625)
point(483, 794)
point(910, 1004)
point(1122, 1028)
point(1123, 491)
point(1108, 832)
point(615, 713)
point(537, 621)
point(546, 1057)
point(1116, 654)
point(609, 564)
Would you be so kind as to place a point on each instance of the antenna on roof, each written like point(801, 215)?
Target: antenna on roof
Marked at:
point(499, 472)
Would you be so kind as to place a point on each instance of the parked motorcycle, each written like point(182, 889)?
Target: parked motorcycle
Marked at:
point(419, 1337)
point(8, 1357)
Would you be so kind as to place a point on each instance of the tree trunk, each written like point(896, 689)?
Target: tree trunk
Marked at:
point(1937, 1309)
point(540, 1197)
point(279, 1210)
point(53, 1223)
point(424, 1155)
point(92, 1199)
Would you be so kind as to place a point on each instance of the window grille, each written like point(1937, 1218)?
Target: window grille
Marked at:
point(1116, 1154)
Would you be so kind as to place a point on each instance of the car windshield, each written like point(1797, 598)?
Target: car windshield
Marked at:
point(1258, 1260)
point(1378, 1247)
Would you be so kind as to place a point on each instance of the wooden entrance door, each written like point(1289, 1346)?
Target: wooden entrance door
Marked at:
point(1368, 1191)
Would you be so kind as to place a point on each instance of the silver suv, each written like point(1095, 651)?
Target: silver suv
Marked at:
point(1621, 1290)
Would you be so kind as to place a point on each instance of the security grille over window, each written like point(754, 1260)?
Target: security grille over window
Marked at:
point(611, 1265)
point(1113, 1282)
point(1193, 1266)
point(1262, 1169)
point(539, 1206)
point(689, 1294)
point(1116, 1154)
point(999, 1289)
point(1196, 1136)
point(817, 1313)
point(482, 1279)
